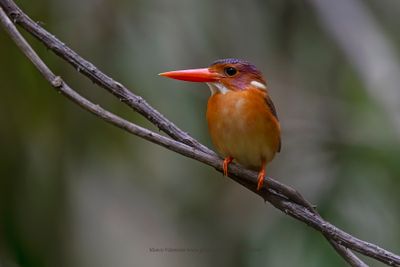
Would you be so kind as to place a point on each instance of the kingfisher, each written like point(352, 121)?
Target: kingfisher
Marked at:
point(242, 119)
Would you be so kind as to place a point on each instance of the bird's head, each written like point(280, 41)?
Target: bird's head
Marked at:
point(223, 75)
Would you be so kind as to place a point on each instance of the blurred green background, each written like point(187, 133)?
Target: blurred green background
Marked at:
point(75, 191)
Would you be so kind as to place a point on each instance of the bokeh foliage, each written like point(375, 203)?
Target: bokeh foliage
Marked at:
point(75, 191)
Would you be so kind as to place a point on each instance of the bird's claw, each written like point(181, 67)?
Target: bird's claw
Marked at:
point(260, 180)
point(225, 165)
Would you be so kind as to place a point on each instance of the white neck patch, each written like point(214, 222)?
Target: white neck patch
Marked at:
point(217, 87)
point(259, 85)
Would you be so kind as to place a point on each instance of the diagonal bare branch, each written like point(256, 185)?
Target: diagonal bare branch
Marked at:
point(282, 197)
point(137, 103)
point(62, 87)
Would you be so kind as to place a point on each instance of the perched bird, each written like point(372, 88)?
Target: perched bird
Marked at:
point(241, 117)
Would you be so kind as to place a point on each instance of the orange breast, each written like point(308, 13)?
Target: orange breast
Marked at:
point(242, 126)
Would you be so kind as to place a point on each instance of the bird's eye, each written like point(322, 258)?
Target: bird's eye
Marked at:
point(230, 71)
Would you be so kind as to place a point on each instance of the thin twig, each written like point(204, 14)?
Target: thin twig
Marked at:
point(247, 178)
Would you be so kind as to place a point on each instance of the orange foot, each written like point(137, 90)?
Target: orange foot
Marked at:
point(227, 160)
point(261, 176)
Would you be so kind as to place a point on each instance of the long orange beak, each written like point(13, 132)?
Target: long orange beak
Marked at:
point(193, 75)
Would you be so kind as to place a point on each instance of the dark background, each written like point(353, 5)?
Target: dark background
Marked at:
point(75, 191)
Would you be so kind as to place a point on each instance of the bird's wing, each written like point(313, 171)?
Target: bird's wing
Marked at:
point(272, 108)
